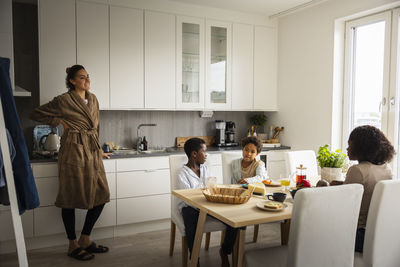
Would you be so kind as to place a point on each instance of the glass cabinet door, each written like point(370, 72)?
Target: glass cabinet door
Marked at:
point(218, 59)
point(190, 61)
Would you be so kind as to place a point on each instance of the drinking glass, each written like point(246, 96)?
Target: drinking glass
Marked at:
point(285, 181)
point(211, 182)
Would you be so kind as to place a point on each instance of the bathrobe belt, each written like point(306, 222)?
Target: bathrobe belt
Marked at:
point(90, 138)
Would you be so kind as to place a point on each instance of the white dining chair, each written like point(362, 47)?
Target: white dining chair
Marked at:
point(382, 235)
point(176, 163)
point(227, 158)
point(276, 165)
point(305, 157)
point(322, 230)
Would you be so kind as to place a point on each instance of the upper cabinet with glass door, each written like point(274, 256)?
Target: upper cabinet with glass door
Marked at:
point(218, 65)
point(190, 63)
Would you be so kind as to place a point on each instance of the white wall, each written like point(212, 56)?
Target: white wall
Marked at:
point(305, 71)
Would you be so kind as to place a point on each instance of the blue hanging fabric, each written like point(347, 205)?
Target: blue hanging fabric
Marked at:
point(25, 186)
point(12, 154)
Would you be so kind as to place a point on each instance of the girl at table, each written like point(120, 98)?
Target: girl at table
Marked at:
point(373, 151)
point(248, 169)
point(193, 175)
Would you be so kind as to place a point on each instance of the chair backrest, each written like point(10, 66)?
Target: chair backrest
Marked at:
point(307, 158)
point(176, 163)
point(227, 158)
point(323, 226)
point(382, 235)
point(276, 165)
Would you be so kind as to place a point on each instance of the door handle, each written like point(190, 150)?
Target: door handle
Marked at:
point(382, 103)
point(392, 101)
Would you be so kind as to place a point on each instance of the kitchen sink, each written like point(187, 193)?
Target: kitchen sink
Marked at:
point(127, 152)
point(151, 151)
point(124, 152)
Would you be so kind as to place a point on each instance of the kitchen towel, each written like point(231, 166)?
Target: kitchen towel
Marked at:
point(25, 186)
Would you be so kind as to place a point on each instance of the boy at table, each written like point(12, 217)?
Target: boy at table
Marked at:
point(193, 175)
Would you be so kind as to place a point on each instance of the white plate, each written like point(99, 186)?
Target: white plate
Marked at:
point(260, 205)
point(273, 185)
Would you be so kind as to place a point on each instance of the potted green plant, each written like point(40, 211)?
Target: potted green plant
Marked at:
point(331, 163)
point(258, 120)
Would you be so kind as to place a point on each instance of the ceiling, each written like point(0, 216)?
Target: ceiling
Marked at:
point(265, 7)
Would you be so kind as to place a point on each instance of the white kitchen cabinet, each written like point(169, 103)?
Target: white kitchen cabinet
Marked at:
point(190, 59)
point(108, 216)
point(218, 65)
point(112, 184)
point(242, 66)
point(126, 58)
point(46, 179)
point(7, 228)
point(142, 164)
point(159, 60)
point(143, 183)
point(92, 22)
point(265, 69)
point(109, 165)
point(41, 170)
point(47, 189)
point(142, 209)
point(48, 220)
point(57, 45)
point(143, 189)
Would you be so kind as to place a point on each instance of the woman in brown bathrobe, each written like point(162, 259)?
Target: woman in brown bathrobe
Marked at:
point(82, 179)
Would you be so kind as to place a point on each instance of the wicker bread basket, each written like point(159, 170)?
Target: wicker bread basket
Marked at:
point(226, 195)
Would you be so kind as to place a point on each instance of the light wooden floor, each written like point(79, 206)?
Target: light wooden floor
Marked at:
point(146, 249)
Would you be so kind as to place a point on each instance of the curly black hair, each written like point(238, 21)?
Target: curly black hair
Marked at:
point(252, 140)
point(368, 143)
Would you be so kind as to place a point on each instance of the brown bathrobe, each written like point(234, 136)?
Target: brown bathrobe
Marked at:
point(82, 178)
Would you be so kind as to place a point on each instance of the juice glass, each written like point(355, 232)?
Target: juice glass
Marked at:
point(285, 181)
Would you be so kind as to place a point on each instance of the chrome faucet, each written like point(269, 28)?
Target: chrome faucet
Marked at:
point(139, 138)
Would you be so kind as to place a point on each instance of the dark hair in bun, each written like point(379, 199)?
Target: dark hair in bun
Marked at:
point(71, 72)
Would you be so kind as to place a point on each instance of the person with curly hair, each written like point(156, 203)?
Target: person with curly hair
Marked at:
point(248, 169)
point(373, 151)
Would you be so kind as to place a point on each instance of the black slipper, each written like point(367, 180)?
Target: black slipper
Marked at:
point(81, 254)
point(93, 248)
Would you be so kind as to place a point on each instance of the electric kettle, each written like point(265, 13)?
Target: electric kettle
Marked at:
point(52, 142)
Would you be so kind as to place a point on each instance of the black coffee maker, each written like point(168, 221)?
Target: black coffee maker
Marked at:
point(230, 133)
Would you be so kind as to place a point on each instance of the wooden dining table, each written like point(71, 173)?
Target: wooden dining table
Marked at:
point(236, 216)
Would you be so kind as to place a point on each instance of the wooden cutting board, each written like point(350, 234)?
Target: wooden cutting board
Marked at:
point(180, 140)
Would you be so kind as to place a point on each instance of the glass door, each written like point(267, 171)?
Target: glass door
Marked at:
point(394, 110)
point(218, 65)
point(367, 73)
point(190, 63)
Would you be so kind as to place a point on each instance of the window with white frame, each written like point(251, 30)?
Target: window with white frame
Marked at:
point(371, 75)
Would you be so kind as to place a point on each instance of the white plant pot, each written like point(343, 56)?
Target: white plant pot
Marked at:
point(330, 174)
